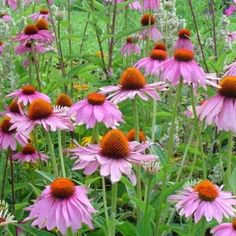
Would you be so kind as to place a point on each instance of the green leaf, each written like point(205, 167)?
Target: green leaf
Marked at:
point(50, 177)
point(126, 229)
point(33, 231)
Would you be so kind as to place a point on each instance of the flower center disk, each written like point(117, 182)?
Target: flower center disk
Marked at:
point(44, 11)
point(6, 125)
point(28, 149)
point(183, 55)
point(96, 98)
point(115, 145)
point(39, 109)
point(228, 87)
point(132, 79)
point(64, 100)
point(31, 29)
point(130, 40)
point(28, 89)
point(160, 46)
point(206, 190)
point(42, 24)
point(62, 188)
point(184, 33)
point(147, 19)
point(157, 54)
point(14, 107)
point(234, 224)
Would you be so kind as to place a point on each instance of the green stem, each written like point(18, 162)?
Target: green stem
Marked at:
point(61, 154)
point(154, 117)
point(147, 200)
point(198, 133)
point(95, 134)
point(105, 199)
point(193, 162)
point(52, 153)
point(113, 209)
point(229, 161)
point(169, 155)
point(136, 128)
point(184, 156)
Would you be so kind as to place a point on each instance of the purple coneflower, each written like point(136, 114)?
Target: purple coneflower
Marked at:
point(27, 94)
point(28, 48)
point(40, 112)
point(1, 47)
point(220, 110)
point(151, 4)
point(225, 229)
point(43, 27)
point(151, 32)
point(115, 156)
point(204, 200)
point(230, 69)
point(43, 13)
point(29, 154)
point(9, 137)
point(12, 4)
point(183, 65)
point(130, 47)
point(6, 17)
point(132, 83)
point(184, 40)
point(96, 109)
point(62, 205)
point(152, 63)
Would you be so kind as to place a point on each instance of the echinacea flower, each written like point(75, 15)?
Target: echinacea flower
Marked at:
point(96, 109)
point(151, 4)
point(6, 17)
point(160, 46)
point(43, 13)
point(43, 27)
point(151, 32)
point(30, 48)
point(183, 65)
point(184, 40)
point(230, 69)
point(115, 156)
point(9, 137)
point(12, 4)
point(225, 229)
point(27, 94)
point(29, 154)
point(40, 112)
point(1, 47)
point(6, 218)
point(130, 47)
point(152, 63)
point(230, 10)
point(220, 110)
point(30, 33)
point(62, 205)
point(132, 83)
point(131, 136)
point(204, 200)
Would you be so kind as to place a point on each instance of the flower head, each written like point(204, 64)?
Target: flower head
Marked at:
point(152, 63)
point(43, 13)
point(204, 200)
point(6, 218)
point(130, 47)
point(160, 46)
point(183, 65)
point(131, 136)
point(28, 47)
point(151, 32)
point(40, 112)
point(184, 40)
point(29, 154)
point(62, 205)
point(132, 83)
point(225, 229)
point(9, 136)
point(27, 94)
point(220, 109)
point(64, 100)
point(96, 109)
point(115, 156)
